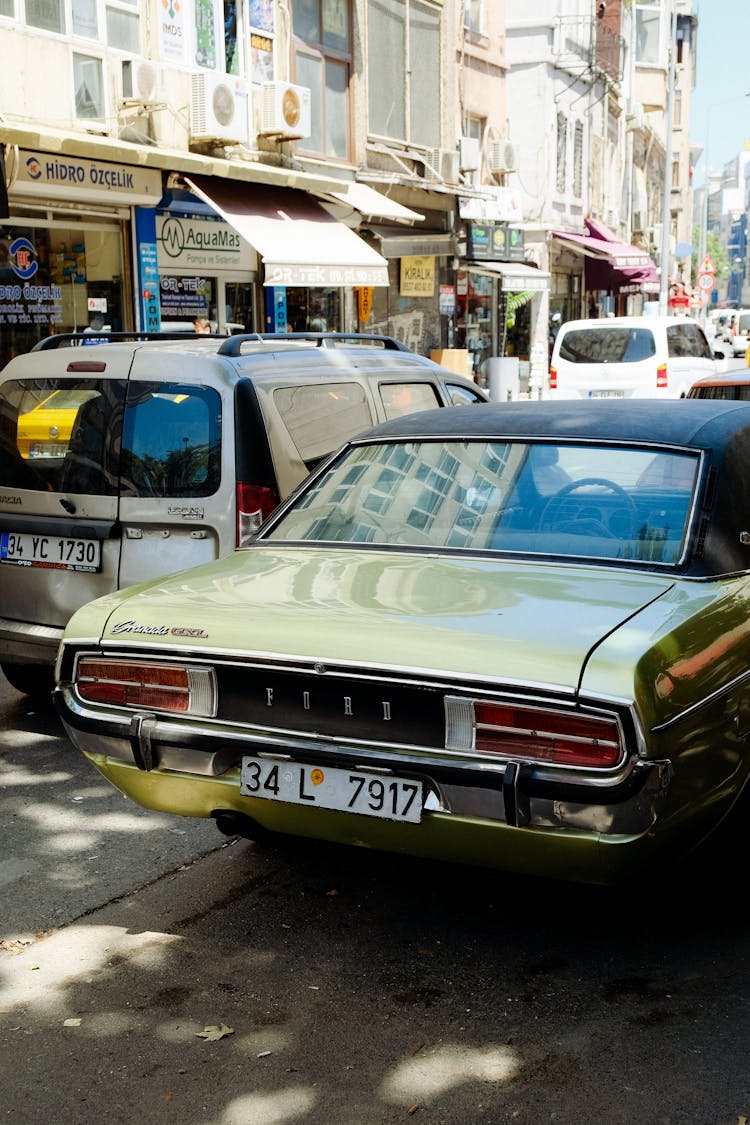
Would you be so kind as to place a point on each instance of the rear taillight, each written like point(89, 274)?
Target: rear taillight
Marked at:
point(547, 736)
point(254, 503)
point(145, 685)
point(661, 375)
point(553, 378)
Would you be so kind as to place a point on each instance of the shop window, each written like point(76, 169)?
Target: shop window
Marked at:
point(322, 60)
point(88, 88)
point(218, 35)
point(404, 71)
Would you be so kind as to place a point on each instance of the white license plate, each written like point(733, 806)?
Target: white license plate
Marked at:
point(607, 394)
point(50, 551)
point(329, 787)
point(47, 449)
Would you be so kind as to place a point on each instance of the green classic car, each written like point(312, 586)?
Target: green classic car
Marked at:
point(516, 637)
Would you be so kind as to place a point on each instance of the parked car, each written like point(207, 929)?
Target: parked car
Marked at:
point(515, 637)
point(145, 456)
point(736, 331)
point(733, 385)
point(629, 357)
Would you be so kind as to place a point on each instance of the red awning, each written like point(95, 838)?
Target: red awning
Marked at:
point(611, 264)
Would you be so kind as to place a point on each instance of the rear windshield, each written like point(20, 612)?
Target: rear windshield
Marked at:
point(320, 417)
point(603, 344)
point(687, 340)
point(535, 498)
point(93, 437)
point(732, 392)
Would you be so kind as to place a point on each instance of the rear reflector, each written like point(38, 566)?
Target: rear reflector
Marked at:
point(254, 503)
point(547, 736)
point(661, 375)
point(553, 378)
point(159, 687)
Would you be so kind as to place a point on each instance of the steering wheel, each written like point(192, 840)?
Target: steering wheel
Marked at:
point(593, 525)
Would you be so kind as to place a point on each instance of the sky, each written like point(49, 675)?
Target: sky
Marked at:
point(719, 110)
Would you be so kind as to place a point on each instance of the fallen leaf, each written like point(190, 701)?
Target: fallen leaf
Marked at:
point(212, 1032)
point(412, 1110)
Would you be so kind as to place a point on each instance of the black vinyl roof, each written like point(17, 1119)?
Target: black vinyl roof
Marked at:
point(697, 423)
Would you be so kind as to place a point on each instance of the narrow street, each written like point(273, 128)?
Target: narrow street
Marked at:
point(358, 987)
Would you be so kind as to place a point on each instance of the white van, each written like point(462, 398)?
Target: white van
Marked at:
point(629, 357)
point(736, 331)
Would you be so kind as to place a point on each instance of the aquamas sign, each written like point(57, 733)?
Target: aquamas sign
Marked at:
point(201, 244)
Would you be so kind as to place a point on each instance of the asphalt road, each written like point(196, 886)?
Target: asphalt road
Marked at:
point(359, 988)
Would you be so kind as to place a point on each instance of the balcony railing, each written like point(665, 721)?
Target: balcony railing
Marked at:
point(584, 43)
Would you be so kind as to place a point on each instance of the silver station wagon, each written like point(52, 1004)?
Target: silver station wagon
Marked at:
point(139, 457)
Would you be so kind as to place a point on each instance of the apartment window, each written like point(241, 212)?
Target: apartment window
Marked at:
point(677, 109)
point(49, 15)
point(7, 8)
point(88, 87)
point(123, 27)
point(322, 58)
point(85, 18)
point(578, 160)
point(647, 31)
point(676, 172)
point(474, 16)
point(404, 88)
point(562, 151)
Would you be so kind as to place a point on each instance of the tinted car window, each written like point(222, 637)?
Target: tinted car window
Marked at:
point(61, 435)
point(462, 396)
point(407, 398)
point(738, 392)
point(607, 345)
point(321, 417)
point(687, 340)
point(171, 441)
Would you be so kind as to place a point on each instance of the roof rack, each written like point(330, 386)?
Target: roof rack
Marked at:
point(76, 339)
point(233, 345)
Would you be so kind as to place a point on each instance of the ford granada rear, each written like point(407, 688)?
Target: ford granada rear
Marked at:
point(514, 638)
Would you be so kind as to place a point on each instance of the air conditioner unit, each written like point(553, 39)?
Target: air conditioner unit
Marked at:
point(218, 108)
point(140, 82)
point(441, 165)
point(468, 154)
point(503, 157)
point(284, 111)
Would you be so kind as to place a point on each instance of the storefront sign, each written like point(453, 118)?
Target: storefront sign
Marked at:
point(148, 269)
point(172, 31)
point(364, 303)
point(447, 300)
point(496, 242)
point(184, 298)
point(201, 245)
point(48, 176)
point(25, 299)
point(417, 277)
